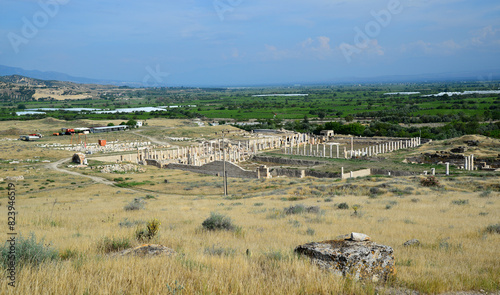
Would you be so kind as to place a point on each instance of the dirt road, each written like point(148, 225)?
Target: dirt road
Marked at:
point(152, 139)
point(54, 166)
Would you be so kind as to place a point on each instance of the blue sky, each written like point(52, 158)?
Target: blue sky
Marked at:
point(243, 42)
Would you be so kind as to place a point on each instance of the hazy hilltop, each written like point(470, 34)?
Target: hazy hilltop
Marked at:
point(52, 76)
point(33, 82)
point(16, 88)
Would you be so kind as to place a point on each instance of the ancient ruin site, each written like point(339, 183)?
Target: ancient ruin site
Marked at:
point(176, 206)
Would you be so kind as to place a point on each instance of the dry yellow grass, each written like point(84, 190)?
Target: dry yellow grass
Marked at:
point(72, 212)
point(57, 94)
point(455, 254)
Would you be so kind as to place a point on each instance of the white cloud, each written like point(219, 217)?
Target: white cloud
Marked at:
point(486, 36)
point(311, 48)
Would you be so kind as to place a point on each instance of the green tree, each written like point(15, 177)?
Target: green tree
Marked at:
point(131, 123)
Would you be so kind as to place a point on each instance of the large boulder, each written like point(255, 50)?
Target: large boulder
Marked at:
point(357, 258)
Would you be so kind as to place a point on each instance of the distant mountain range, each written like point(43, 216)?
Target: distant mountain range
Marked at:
point(56, 76)
point(478, 76)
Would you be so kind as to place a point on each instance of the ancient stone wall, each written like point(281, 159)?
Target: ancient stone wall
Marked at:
point(300, 173)
point(392, 173)
point(285, 161)
point(354, 174)
point(319, 174)
point(287, 172)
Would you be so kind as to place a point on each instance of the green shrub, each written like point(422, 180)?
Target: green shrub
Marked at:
point(218, 221)
point(460, 202)
point(219, 251)
point(28, 252)
point(276, 255)
point(494, 228)
point(68, 254)
point(151, 230)
point(430, 181)
point(299, 209)
point(376, 191)
point(343, 206)
point(129, 223)
point(136, 204)
point(485, 194)
point(108, 245)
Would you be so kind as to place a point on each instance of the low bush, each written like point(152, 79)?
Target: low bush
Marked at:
point(219, 251)
point(343, 206)
point(485, 194)
point(150, 231)
point(107, 245)
point(129, 223)
point(28, 252)
point(218, 221)
point(460, 202)
point(136, 204)
point(430, 181)
point(68, 254)
point(493, 228)
point(299, 209)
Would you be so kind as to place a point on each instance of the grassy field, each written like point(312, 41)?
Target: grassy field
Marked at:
point(330, 102)
point(78, 218)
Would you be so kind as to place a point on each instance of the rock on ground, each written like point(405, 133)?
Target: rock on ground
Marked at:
point(413, 242)
point(361, 260)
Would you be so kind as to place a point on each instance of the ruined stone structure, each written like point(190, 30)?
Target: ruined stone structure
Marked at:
point(354, 174)
point(315, 148)
point(79, 158)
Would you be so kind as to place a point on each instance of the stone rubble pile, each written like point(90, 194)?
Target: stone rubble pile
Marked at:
point(120, 168)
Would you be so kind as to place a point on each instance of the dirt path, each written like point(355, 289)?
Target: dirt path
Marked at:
point(152, 139)
point(54, 166)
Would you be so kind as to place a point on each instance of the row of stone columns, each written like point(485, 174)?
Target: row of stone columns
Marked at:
point(382, 148)
point(314, 150)
point(469, 163)
point(213, 150)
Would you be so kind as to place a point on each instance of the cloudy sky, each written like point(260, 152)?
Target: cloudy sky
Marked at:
point(244, 42)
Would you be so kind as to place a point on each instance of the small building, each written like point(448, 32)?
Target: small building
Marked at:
point(327, 133)
point(108, 128)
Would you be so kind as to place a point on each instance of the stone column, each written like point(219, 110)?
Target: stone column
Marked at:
point(471, 162)
point(447, 168)
point(352, 145)
point(338, 151)
point(466, 164)
point(342, 172)
point(433, 170)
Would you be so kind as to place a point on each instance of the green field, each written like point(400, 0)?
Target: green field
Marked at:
point(368, 104)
